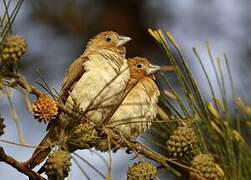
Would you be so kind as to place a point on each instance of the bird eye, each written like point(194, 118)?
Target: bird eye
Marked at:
point(108, 39)
point(139, 66)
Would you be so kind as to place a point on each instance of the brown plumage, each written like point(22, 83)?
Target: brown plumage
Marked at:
point(108, 40)
point(139, 106)
point(103, 64)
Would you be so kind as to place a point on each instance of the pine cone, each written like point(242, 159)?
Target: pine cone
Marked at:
point(2, 126)
point(58, 165)
point(181, 142)
point(83, 135)
point(103, 145)
point(12, 48)
point(206, 168)
point(142, 171)
point(45, 109)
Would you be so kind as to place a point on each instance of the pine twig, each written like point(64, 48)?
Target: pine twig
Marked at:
point(19, 166)
point(169, 68)
point(33, 90)
point(28, 87)
point(141, 149)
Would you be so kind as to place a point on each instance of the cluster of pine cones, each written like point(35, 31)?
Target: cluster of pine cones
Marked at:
point(12, 48)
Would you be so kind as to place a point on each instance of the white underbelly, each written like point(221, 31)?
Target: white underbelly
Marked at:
point(99, 89)
point(135, 114)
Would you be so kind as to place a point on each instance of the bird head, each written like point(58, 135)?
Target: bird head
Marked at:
point(141, 67)
point(109, 40)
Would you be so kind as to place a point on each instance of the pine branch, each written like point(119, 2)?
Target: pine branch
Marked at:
point(18, 166)
point(140, 148)
point(150, 154)
point(26, 86)
point(167, 69)
point(33, 90)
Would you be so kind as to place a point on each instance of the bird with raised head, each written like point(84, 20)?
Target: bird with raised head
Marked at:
point(138, 107)
point(95, 81)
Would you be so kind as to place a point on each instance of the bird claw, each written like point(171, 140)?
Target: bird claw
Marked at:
point(132, 139)
point(118, 143)
point(139, 148)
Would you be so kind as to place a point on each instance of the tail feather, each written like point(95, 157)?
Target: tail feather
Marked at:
point(40, 153)
point(55, 132)
point(41, 170)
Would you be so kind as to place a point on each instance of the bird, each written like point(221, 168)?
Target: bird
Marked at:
point(133, 115)
point(138, 107)
point(94, 81)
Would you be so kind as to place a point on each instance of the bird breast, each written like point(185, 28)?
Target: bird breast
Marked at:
point(137, 110)
point(101, 86)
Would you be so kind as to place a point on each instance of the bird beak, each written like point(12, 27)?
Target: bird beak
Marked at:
point(152, 69)
point(123, 40)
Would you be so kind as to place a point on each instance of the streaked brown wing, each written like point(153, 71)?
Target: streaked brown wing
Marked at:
point(74, 73)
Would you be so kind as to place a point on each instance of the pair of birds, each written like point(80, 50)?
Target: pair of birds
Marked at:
point(107, 87)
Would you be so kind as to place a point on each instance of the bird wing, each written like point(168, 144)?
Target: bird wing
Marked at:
point(74, 73)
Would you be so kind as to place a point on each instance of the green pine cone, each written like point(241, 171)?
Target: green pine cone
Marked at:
point(206, 168)
point(142, 171)
point(181, 142)
point(12, 48)
point(58, 164)
point(82, 137)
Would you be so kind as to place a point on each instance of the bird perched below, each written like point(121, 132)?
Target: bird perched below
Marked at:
point(139, 105)
point(95, 81)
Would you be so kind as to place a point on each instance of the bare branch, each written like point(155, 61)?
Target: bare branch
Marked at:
point(19, 166)
point(33, 90)
point(28, 87)
point(148, 153)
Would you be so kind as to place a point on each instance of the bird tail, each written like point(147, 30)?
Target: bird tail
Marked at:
point(40, 153)
point(41, 170)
